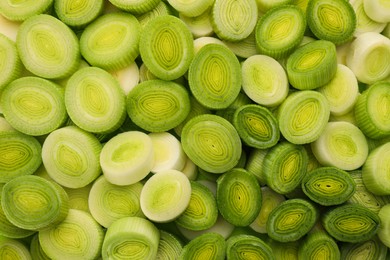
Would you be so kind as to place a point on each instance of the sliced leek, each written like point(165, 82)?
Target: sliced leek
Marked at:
point(13, 249)
point(127, 77)
point(190, 169)
point(21, 10)
point(203, 41)
point(247, 247)
point(265, 5)
point(78, 14)
point(371, 249)
point(9, 28)
point(254, 164)
point(244, 48)
point(78, 198)
point(162, 8)
point(383, 232)
point(169, 246)
point(200, 26)
point(377, 10)
point(285, 250)
point(4, 125)
point(191, 8)
point(36, 250)
point(319, 245)
point(135, 6)
point(10, 63)
point(206, 246)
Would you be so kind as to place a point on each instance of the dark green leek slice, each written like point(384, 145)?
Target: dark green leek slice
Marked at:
point(206, 246)
point(169, 246)
point(13, 249)
point(242, 247)
point(371, 249)
point(135, 6)
point(10, 63)
point(21, 10)
point(319, 245)
point(77, 13)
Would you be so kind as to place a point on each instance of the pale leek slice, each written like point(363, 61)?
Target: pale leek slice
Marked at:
point(363, 22)
point(21, 10)
point(200, 26)
point(9, 28)
point(11, 249)
point(190, 169)
point(371, 249)
point(203, 41)
point(248, 247)
point(79, 236)
point(10, 63)
point(212, 143)
point(47, 47)
point(244, 48)
point(351, 223)
point(191, 8)
point(206, 246)
point(34, 203)
point(78, 14)
point(377, 10)
point(255, 162)
point(145, 74)
point(36, 250)
point(135, 6)
point(127, 77)
point(4, 125)
point(169, 246)
point(319, 245)
point(383, 232)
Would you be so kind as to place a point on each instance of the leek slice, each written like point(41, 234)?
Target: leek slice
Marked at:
point(47, 47)
point(291, 220)
point(13, 249)
point(36, 250)
point(127, 158)
point(319, 245)
point(33, 105)
point(214, 76)
point(166, 47)
point(371, 249)
point(145, 74)
point(34, 203)
point(206, 246)
point(200, 26)
point(264, 80)
point(255, 162)
point(363, 22)
point(10, 63)
point(341, 145)
point(383, 232)
point(158, 105)
point(351, 223)
point(169, 246)
point(111, 41)
point(4, 125)
point(377, 10)
point(247, 247)
point(191, 8)
point(212, 143)
point(265, 5)
point(333, 21)
point(190, 169)
point(22, 10)
point(244, 48)
point(9, 28)
point(162, 8)
point(203, 41)
point(79, 236)
point(284, 250)
point(131, 238)
point(78, 198)
point(280, 30)
point(127, 77)
point(165, 196)
point(71, 156)
point(135, 6)
point(20, 155)
point(78, 14)
point(108, 202)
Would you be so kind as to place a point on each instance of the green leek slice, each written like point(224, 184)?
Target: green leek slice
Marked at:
point(21, 10)
point(162, 8)
point(47, 47)
point(135, 6)
point(169, 246)
point(371, 249)
point(319, 245)
point(191, 8)
point(34, 203)
point(111, 41)
point(36, 250)
point(363, 22)
point(212, 143)
point(285, 250)
point(265, 5)
point(255, 162)
point(280, 30)
point(166, 47)
point(200, 26)
point(350, 223)
point(78, 198)
point(4, 125)
point(377, 10)
point(79, 236)
point(214, 76)
point(200, 42)
point(206, 246)
point(248, 247)
point(10, 63)
point(78, 14)
point(158, 105)
point(11, 249)
point(383, 232)
point(244, 48)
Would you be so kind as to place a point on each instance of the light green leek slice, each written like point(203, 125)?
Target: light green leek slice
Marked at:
point(372, 110)
point(200, 42)
point(291, 220)
point(47, 47)
point(363, 22)
point(215, 76)
point(371, 249)
point(111, 41)
point(78, 14)
point(264, 80)
point(248, 247)
point(10, 63)
point(254, 164)
point(21, 10)
point(191, 8)
point(166, 47)
point(33, 105)
point(383, 232)
point(234, 20)
point(36, 250)
point(34, 203)
point(135, 6)
point(280, 30)
point(162, 8)
point(78, 198)
point(145, 74)
point(377, 10)
point(244, 48)
point(108, 202)
point(71, 156)
point(79, 236)
point(206, 246)
point(169, 246)
point(284, 250)
point(12, 249)
point(333, 21)
point(200, 26)
point(190, 170)
point(127, 158)
point(351, 223)
point(265, 5)
point(20, 154)
point(158, 105)
point(212, 143)
point(342, 145)
point(127, 77)
point(319, 245)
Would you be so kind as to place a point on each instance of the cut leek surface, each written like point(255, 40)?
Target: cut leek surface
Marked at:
point(206, 246)
point(169, 246)
point(10, 63)
point(191, 8)
point(371, 249)
point(383, 232)
point(21, 10)
point(319, 245)
point(76, 13)
point(135, 6)
point(248, 247)
point(13, 249)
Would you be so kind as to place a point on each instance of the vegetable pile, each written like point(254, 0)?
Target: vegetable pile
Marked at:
point(207, 129)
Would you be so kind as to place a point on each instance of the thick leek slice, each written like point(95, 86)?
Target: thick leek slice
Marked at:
point(36, 250)
point(342, 145)
point(191, 8)
point(10, 63)
point(34, 203)
point(351, 223)
point(206, 246)
point(214, 76)
point(111, 41)
point(11, 249)
point(377, 10)
point(78, 14)
point(244, 48)
point(135, 6)
point(254, 164)
point(169, 246)
point(21, 10)
point(47, 47)
point(383, 232)
point(212, 143)
point(166, 47)
point(333, 21)
point(247, 247)
point(127, 158)
point(71, 156)
point(79, 236)
point(264, 80)
point(33, 105)
point(165, 196)
point(291, 220)
point(280, 30)
point(371, 249)
point(363, 22)
point(158, 105)
point(200, 26)
point(319, 245)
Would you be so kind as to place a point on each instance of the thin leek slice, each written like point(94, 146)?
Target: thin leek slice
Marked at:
point(20, 154)
point(377, 10)
point(247, 247)
point(78, 14)
point(162, 8)
point(383, 232)
point(333, 21)
point(135, 6)
point(371, 249)
point(212, 143)
point(36, 250)
point(342, 145)
point(254, 164)
point(264, 80)
point(200, 26)
point(351, 223)
point(10, 63)
point(206, 246)
point(13, 249)
point(79, 236)
point(319, 245)
point(78, 198)
point(47, 47)
point(363, 22)
point(127, 158)
point(21, 10)
point(71, 156)
point(158, 105)
point(169, 246)
point(265, 5)
point(165, 196)
point(166, 47)
point(214, 76)
point(285, 250)
point(33, 105)
point(127, 77)
point(244, 48)
point(111, 41)
point(291, 220)
point(234, 20)
point(34, 203)
point(280, 30)
point(191, 8)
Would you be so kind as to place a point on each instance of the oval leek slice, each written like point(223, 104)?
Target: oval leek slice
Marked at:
point(206, 246)
point(212, 143)
point(78, 14)
point(191, 8)
point(169, 246)
point(371, 249)
point(383, 232)
point(10, 63)
point(319, 245)
point(350, 223)
point(244, 48)
point(200, 26)
point(34, 203)
point(377, 10)
point(254, 164)
point(285, 250)
point(47, 47)
point(21, 10)
point(135, 6)
point(363, 22)
point(13, 249)
point(248, 247)
point(162, 8)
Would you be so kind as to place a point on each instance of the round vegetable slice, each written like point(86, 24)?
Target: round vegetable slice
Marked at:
point(191, 8)
point(78, 14)
point(13, 249)
point(10, 63)
point(247, 247)
point(383, 232)
point(206, 246)
point(21, 10)
point(319, 244)
point(135, 6)
point(371, 249)
point(377, 10)
point(169, 246)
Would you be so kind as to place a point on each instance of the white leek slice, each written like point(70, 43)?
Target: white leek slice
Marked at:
point(191, 8)
point(135, 6)
point(190, 169)
point(21, 10)
point(77, 13)
point(127, 77)
point(10, 63)
point(377, 10)
point(200, 26)
point(13, 249)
